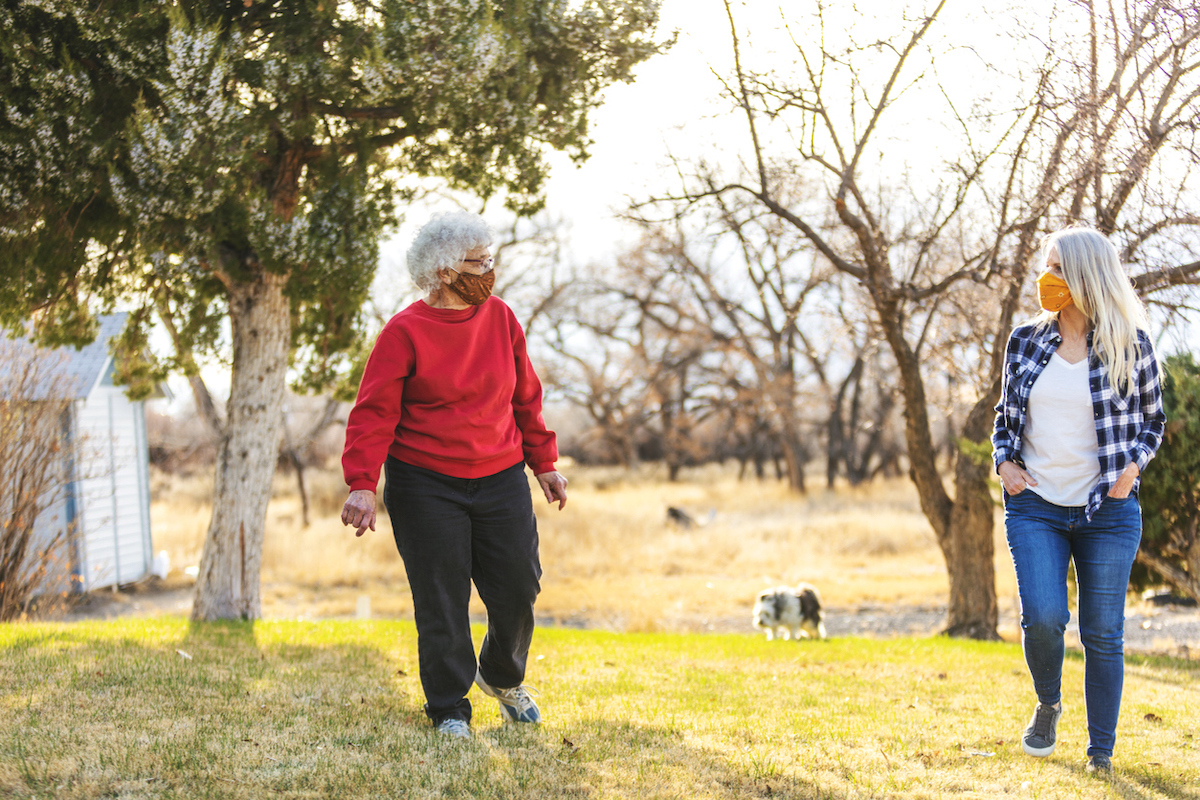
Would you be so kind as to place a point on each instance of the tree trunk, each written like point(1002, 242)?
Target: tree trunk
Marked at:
point(964, 527)
point(971, 546)
point(794, 458)
point(228, 583)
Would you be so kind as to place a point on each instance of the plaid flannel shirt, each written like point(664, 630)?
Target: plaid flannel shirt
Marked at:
point(1127, 428)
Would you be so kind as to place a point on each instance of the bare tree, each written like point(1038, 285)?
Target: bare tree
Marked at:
point(620, 362)
point(296, 450)
point(607, 385)
point(737, 282)
point(1099, 112)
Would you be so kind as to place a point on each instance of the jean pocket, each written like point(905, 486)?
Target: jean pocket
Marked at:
point(1011, 500)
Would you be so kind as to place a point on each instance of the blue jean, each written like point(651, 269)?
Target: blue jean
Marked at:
point(450, 532)
point(1043, 538)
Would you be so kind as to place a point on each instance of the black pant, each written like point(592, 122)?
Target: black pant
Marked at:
point(451, 531)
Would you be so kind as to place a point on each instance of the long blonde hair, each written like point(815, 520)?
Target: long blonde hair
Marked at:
point(1102, 291)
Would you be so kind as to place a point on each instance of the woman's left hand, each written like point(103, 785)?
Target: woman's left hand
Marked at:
point(554, 486)
point(1124, 484)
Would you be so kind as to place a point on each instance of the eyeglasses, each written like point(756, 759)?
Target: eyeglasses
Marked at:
point(485, 264)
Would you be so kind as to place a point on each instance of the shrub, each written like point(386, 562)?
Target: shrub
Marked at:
point(1170, 492)
point(34, 400)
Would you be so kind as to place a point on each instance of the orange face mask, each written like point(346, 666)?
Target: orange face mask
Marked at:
point(1053, 294)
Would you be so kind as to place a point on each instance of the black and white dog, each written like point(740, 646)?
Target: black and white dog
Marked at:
point(790, 612)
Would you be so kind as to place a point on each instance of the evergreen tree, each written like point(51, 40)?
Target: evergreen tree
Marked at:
point(1170, 492)
point(240, 160)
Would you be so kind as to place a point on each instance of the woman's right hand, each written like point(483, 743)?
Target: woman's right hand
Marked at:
point(1014, 479)
point(359, 511)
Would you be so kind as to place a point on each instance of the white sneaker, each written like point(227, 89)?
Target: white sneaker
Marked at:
point(516, 704)
point(455, 727)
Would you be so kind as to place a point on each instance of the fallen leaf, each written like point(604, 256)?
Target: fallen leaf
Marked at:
point(1153, 718)
point(973, 752)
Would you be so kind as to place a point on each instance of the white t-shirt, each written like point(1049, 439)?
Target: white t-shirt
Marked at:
point(1059, 445)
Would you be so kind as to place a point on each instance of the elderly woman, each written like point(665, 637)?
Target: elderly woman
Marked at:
point(1080, 417)
point(451, 408)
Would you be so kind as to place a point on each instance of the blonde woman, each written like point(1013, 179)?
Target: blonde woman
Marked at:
point(1079, 418)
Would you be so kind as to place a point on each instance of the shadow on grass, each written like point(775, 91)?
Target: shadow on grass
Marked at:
point(1128, 784)
point(245, 710)
point(199, 709)
point(596, 758)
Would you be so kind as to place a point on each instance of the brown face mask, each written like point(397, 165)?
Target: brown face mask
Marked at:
point(473, 289)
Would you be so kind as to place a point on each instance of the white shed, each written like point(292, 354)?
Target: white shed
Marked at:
point(107, 497)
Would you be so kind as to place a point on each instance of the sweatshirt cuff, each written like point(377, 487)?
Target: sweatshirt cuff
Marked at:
point(542, 466)
point(364, 485)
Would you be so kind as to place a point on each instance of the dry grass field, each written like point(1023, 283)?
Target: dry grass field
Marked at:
point(612, 559)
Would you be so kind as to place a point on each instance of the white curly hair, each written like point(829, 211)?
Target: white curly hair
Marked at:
point(443, 242)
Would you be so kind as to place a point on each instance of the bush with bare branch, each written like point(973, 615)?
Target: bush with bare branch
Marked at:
point(34, 452)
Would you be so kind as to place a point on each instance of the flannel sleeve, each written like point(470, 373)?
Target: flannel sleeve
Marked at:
point(1002, 435)
point(1149, 378)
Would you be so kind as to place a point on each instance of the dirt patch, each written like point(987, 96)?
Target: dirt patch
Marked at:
point(150, 598)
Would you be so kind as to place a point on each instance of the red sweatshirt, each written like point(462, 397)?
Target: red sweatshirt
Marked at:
point(450, 391)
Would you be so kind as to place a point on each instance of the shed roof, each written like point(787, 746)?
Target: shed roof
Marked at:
point(81, 368)
point(85, 366)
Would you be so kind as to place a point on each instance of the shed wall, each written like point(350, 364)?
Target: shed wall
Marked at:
point(113, 482)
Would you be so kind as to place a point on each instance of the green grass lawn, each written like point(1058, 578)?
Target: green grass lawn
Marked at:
point(164, 708)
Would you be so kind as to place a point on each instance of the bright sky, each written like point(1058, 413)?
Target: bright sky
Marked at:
point(633, 131)
point(673, 107)
point(669, 108)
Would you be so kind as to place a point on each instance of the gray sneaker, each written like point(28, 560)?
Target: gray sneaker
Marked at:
point(455, 727)
point(516, 704)
point(1039, 738)
point(1100, 766)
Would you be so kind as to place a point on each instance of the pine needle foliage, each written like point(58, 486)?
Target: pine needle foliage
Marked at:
point(155, 152)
